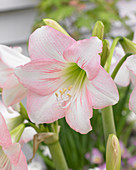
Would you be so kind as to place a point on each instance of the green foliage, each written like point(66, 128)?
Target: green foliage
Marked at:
point(79, 14)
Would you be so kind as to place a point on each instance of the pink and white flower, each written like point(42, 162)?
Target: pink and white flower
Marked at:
point(14, 119)
point(65, 78)
point(124, 75)
point(11, 156)
point(13, 91)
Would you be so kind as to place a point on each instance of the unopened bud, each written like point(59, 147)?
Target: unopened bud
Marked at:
point(55, 25)
point(128, 45)
point(98, 30)
point(17, 132)
point(113, 153)
point(105, 52)
point(23, 112)
point(12, 123)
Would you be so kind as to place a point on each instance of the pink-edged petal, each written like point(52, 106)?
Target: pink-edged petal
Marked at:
point(123, 76)
point(4, 161)
point(86, 54)
point(5, 138)
point(27, 135)
point(79, 113)
point(43, 109)
point(47, 42)
point(132, 101)
point(13, 91)
point(12, 58)
point(5, 73)
point(22, 163)
point(131, 64)
point(41, 76)
point(133, 78)
point(103, 90)
point(13, 152)
point(7, 112)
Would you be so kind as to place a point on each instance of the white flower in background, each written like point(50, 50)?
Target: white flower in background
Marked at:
point(132, 118)
point(35, 165)
point(46, 151)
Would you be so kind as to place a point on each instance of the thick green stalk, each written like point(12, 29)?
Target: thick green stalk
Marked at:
point(108, 122)
point(58, 156)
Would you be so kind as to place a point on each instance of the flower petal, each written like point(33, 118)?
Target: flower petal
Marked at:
point(4, 161)
point(5, 138)
point(13, 152)
point(131, 64)
point(43, 109)
point(5, 73)
point(21, 164)
point(7, 112)
point(86, 54)
point(79, 113)
point(48, 42)
point(103, 90)
point(132, 101)
point(41, 76)
point(123, 76)
point(27, 135)
point(12, 58)
point(13, 91)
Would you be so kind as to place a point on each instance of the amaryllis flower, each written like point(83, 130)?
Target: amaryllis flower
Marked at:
point(124, 75)
point(13, 91)
point(65, 78)
point(14, 119)
point(11, 156)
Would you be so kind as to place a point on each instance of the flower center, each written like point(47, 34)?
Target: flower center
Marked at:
point(73, 81)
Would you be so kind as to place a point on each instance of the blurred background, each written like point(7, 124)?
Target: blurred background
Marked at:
point(19, 18)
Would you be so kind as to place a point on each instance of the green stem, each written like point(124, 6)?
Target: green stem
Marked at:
point(58, 156)
point(108, 122)
point(115, 41)
point(32, 125)
point(119, 65)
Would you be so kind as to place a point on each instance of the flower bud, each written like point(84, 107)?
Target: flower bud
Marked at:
point(14, 122)
point(17, 132)
point(113, 153)
point(23, 112)
point(128, 45)
point(55, 25)
point(98, 30)
point(105, 52)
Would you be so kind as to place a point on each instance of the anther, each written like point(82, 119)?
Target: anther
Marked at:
point(61, 92)
point(69, 95)
point(56, 94)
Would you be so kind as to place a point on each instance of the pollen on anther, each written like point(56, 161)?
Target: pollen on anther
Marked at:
point(69, 95)
point(56, 94)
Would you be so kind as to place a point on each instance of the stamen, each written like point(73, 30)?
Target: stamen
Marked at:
point(56, 94)
point(63, 97)
point(61, 92)
point(69, 95)
point(70, 87)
